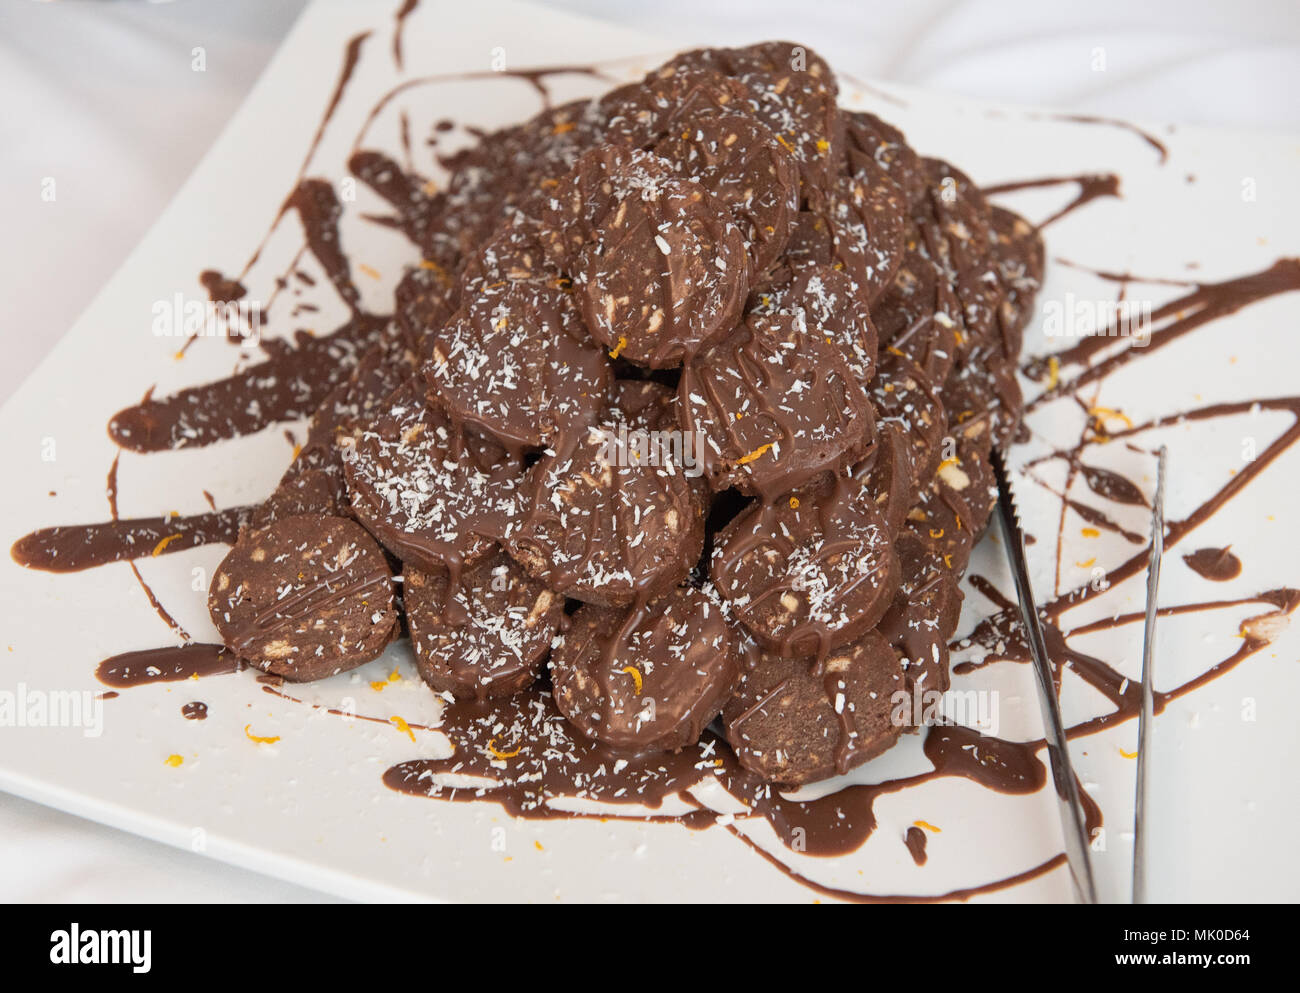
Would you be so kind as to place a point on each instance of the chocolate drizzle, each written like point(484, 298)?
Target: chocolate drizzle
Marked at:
point(1216, 564)
point(166, 665)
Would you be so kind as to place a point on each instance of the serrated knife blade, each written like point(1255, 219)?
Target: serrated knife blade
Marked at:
point(1146, 716)
point(1073, 826)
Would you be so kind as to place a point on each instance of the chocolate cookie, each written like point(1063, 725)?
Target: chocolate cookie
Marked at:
point(774, 404)
point(919, 316)
point(658, 265)
point(857, 227)
point(649, 678)
point(793, 93)
point(752, 174)
point(486, 637)
point(889, 474)
point(513, 364)
point(906, 398)
point(826, 304)
point(924, 614)
point(964, 250)
point(810, 571)
point(789, 725)
point(868, 137)
point(314, 483)
point(433, 495)
point(304, 598)
point(614, 515)
point(668, 100)
point(1019, 254)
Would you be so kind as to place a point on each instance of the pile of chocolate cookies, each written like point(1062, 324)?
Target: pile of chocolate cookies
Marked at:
point(687, 408)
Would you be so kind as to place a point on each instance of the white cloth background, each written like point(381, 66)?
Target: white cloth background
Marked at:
point(99, 95)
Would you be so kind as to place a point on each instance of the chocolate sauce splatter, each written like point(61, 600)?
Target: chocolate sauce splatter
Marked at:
point(196, 710)
point(914, 839)
point(1216, 564)
point(1092, 186)
point(166, 665)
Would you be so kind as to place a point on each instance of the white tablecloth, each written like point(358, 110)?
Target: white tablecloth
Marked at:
point(100, 96)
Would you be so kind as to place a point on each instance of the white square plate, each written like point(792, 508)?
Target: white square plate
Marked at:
point(311, 807)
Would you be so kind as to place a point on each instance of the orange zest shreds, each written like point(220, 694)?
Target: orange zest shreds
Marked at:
point(947, 560)
point(562, 283)
point(394, 676)
point(785, 144)
point(297, 450)
point(753, 456)
point(1087, 563)
point(1104, 412)
point(179, 355)
point(499, 323)
point(158, 548)
point(369, 270)
point(823, 145)
point(402, 726)
point(538, 846)
point(194, 676)
point(1128, 755)
point(936, 533)
point(928, 826)
point(564, 127)
point(430, 188)
point(1090, 532)
point(547, 184)
point(173, 760)
point(1053, 371)
point(257, 739)
point(958, 516)
point(947, 462)
point(491, 745)
point(769, 229)
point(378, 685)
point(635, 673)
point(959, 337)
point(618, 349)
point(794, 503)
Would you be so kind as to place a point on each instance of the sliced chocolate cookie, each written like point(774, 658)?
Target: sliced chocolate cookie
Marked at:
point(1018, 251)
point(964, 250)
point(752, 174)
point(868, 137)
point(487, 635)
point(657, 263)
point(304, 598)
point(790, 725)
point(775, 404)
point(889, 474)
point(649, 678)
point(433, 495)
point(314, 483)
point(669, 99)
point(793, 93)
point(514, 365)
point(809, 571)
point(906, 398)
point(924, 614)
point(614, 515)
point(826, 304)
